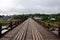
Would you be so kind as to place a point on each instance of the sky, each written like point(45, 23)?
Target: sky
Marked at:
point(10, 7)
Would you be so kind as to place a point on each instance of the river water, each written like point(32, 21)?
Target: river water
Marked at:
point(3, 31)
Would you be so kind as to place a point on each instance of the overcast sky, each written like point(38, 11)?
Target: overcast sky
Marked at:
point(9, 7)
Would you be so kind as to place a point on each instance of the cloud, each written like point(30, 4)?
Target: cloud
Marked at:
point(29, 6)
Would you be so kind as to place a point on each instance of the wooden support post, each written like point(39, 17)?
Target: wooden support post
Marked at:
point(49, 26)
point(58, 31)
point(0, 30)
point(15, 23)
point(11, 24)
point(18, 22)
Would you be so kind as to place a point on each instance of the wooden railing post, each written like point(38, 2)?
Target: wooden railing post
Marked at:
point(10, 24)
point(58, 31)
point(15, 23)
point(0, 29)
point(18, 22)
point(49, 26)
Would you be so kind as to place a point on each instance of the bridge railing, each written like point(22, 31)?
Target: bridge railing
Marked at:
point(11, 26)
point(49, 26)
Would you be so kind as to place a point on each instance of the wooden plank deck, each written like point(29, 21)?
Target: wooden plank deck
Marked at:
point(29, 30)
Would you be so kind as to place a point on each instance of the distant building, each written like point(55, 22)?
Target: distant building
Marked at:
point(6, 18)
point(9, 19)
point(53, 19)
point(38, 18)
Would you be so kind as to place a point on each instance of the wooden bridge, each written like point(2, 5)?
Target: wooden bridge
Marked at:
point(29, 30)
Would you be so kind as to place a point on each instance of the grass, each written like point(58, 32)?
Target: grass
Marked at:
point(4, 22)
point(53, 24)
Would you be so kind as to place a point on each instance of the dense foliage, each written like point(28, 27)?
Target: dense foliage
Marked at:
point(44, 17)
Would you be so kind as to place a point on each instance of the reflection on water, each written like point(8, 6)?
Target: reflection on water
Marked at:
point(3, 31)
